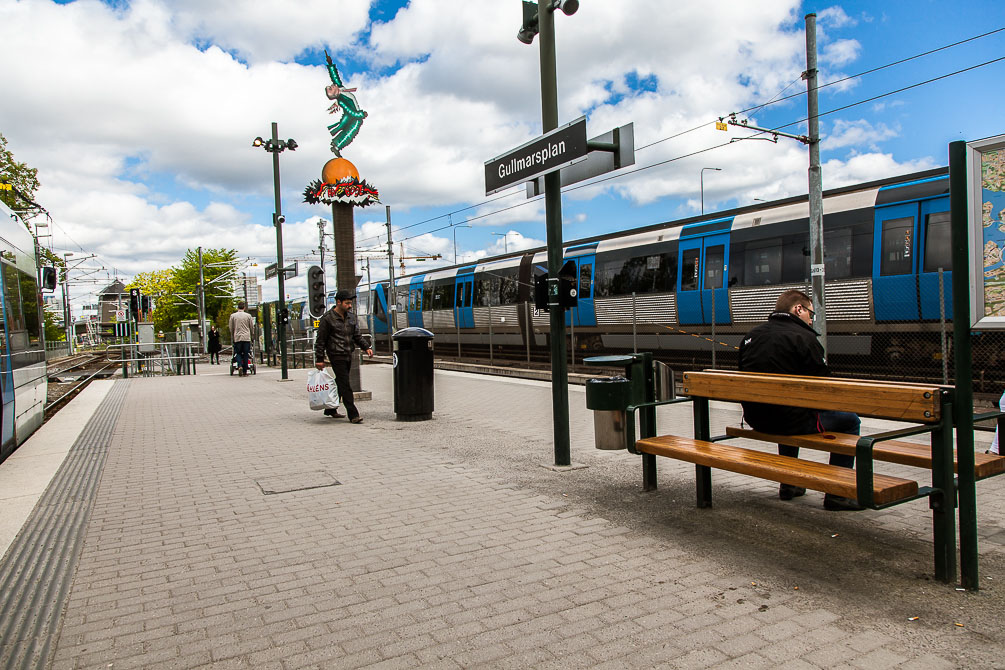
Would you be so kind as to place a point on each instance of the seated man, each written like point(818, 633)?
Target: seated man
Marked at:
point(787, 344)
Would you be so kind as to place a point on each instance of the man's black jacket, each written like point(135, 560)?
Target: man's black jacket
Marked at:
point(785, 345)
point(337, 337)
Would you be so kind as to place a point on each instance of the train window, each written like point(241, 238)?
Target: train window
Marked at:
point(29, 302)
point(938, 243)
point(896, 255)
point(796, 258)
point(12, 299)
point(460, 295)
point(585, 279)
point(837, 253)
point(715, 264)
point(484, 289)
point(690, 262)
point(509, 291)
point(763, 263)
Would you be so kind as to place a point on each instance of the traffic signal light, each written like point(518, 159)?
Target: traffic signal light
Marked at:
point(134, 302)
point(145, 305)
point(284, 316)
point(316, 291)
point(541, 292)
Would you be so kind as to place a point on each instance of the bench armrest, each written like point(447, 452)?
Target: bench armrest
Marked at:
point(630, 418)
point(984, 416)
point(863, 456)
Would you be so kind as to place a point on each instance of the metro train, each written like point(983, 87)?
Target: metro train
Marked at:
point(682, 288)
point(23, 382)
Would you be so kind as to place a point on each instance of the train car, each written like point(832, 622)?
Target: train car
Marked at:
point(23, 383)
point(677, 286)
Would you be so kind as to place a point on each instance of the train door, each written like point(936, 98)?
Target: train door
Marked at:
point(703, 260)
point(584, 313)
point(7, 438)
point(937, 253)
point(464, 288)
point(894, 263)
point(415, 302)
point(378, 306)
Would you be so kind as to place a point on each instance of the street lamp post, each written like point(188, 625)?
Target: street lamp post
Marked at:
point(463, 225)
point(701, 179)
point(505, 237)
point(275, 146)
point(540, 19)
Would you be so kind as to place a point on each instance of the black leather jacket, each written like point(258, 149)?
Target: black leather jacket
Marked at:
point(785, 345)
point(337, 337)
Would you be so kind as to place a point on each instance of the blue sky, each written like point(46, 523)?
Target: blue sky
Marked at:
point(141, 120)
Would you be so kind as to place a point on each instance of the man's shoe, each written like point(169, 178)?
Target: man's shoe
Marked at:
point(841, 504)
point(788, 492)
point(333, 412)
point(356, 419)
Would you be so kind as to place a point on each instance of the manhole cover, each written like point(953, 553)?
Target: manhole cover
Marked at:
point(300, 481)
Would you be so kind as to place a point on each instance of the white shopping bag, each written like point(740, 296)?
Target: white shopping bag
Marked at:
point(321, 390)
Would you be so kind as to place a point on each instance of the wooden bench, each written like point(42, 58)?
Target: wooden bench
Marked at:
point(925, 406)
point(895, 451)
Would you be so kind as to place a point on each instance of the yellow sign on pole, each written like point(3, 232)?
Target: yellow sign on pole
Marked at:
point(6, 187)
point(317, 323)
point(719, 125)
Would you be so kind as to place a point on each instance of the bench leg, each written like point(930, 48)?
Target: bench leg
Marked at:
point(648, 472)
point(703, 485)
point(943, 505)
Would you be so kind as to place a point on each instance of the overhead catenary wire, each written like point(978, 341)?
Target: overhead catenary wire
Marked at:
point(771, 101)
point(625, 173)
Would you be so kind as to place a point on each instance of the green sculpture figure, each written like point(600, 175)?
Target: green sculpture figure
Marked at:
point(345, 129)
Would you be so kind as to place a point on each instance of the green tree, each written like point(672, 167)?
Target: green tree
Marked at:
point(19, 175)
point(219, 270)
point(54, 331)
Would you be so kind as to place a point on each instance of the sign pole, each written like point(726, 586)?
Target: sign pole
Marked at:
point(963, 402)
point(553, 218)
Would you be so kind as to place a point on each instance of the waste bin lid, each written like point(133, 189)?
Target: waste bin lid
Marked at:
point(611, 361)
point(412, 334)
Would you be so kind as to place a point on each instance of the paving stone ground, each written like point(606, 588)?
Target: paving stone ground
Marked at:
point(445, 544)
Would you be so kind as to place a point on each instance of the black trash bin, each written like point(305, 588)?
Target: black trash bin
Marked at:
point(413, 374)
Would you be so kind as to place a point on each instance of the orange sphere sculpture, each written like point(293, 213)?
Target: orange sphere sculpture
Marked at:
point(338, 169)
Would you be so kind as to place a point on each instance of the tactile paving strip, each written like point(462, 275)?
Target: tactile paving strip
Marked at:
point(37, 571)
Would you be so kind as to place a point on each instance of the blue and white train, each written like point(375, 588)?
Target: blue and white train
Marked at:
point(23, 382)
point(887, 249)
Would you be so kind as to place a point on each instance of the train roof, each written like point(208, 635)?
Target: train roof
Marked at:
point(881, 191)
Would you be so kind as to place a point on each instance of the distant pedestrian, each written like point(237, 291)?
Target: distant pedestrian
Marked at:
point(338, 336)
point(214, 345)
point(242, 326)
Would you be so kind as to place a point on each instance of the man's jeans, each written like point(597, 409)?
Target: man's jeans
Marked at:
point(242, 350)
point(832, 422)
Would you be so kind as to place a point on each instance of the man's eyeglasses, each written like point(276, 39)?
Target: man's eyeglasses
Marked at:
point(810, 311)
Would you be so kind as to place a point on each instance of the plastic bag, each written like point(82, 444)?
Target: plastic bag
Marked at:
point(321, 390)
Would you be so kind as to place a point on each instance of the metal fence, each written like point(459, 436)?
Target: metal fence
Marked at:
point(161, 359)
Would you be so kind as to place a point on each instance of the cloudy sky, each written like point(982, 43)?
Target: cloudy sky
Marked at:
point(139, 114)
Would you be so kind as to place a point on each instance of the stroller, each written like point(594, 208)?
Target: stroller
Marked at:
point(235, 365)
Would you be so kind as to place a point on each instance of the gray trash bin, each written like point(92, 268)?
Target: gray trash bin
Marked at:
point(413, 374)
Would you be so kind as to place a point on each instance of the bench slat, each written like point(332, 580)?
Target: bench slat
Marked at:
point(904, 402)
point(809, 474)
point(891, 451)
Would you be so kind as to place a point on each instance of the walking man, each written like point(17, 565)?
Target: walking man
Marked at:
point(787, 344)
point(338, 336)
point(242, 326)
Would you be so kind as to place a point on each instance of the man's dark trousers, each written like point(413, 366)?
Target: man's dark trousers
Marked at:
point(832, 422)
point(341, 369)
point(243, 350)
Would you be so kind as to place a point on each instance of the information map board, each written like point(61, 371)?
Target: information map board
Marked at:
point(986, 186)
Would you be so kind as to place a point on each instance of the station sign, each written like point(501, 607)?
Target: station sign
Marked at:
point(618, 152)
point(272, 271)
point(552, 151)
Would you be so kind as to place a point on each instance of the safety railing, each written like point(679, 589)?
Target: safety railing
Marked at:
point(165, 358)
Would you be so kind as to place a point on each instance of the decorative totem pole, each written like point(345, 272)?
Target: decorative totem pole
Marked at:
point(340, 185)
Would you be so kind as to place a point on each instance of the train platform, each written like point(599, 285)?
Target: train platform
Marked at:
point(215, 521)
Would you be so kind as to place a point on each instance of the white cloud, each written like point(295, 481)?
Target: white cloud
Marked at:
point(140, 118)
